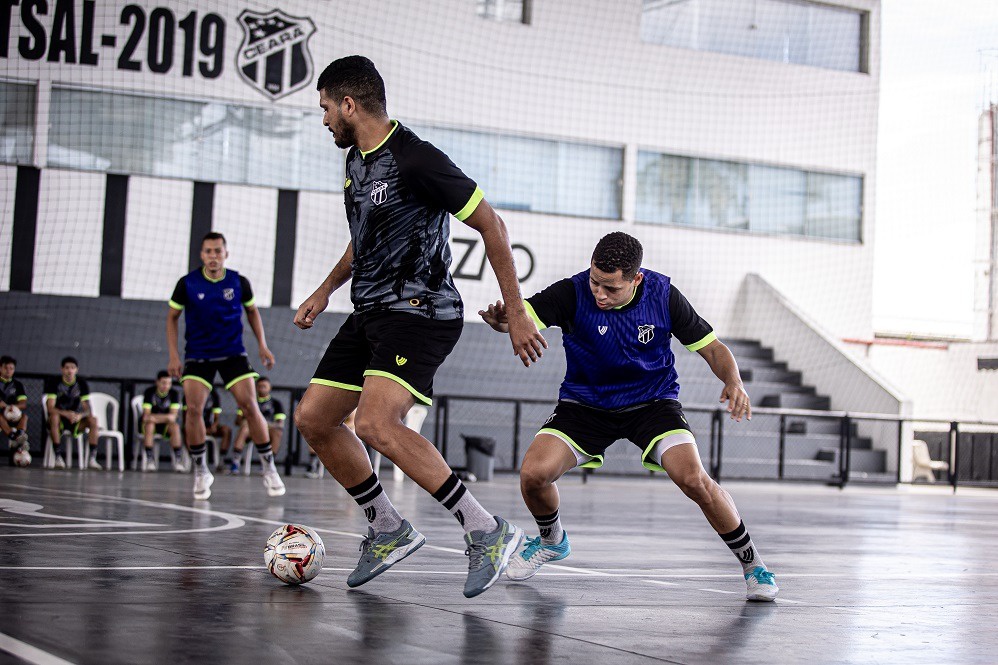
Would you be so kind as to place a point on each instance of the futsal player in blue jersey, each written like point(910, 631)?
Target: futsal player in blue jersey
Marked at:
point(213, 299)
point(400, 193)
point(617, 323)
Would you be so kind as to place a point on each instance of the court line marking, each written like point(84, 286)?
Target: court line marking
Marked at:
point(29, 653)
point(28, 509)
point(231, 521)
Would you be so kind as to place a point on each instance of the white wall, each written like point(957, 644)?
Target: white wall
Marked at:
point(69, 235)
point(247, 217)
point(157, 237)
point(578, 72)
point(942, 383)
point(8, 180)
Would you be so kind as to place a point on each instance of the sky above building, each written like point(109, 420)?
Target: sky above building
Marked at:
point(933, 89)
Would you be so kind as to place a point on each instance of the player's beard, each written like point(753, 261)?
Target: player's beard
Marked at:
point(344, 136)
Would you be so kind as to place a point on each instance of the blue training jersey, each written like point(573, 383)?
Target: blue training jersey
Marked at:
point(621, 357)
point(213, 311)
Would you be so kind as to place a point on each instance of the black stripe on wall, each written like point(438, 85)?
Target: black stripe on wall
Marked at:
point(284, 253)
point(113, 249)
point(204, 202)
point(22, 260)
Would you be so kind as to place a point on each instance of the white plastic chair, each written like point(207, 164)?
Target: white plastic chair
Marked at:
point(924, 466)
point(100, 404)
point(157, 438)
point(48, 459)
point(414, 421)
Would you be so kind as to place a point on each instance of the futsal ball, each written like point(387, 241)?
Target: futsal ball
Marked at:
point(12, 414)
point(22, 457)
point(294, 553)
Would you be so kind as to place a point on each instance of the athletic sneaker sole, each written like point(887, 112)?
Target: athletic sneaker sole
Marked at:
point(391, 560)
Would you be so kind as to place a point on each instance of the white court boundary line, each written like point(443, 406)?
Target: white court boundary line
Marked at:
point(31, 654)
point(232, 521)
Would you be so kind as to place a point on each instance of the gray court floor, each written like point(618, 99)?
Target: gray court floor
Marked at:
point(127, 568)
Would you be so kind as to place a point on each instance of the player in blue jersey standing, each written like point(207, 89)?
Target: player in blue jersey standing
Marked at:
point(400, 193)
point(213, 299)
point(617, 321)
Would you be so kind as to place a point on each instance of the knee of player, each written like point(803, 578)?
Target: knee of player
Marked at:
point(307, 420)
point(372, 429)
point(535, 477)
point(696, 485)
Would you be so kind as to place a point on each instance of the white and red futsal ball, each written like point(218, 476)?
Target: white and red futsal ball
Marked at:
point(294, 553)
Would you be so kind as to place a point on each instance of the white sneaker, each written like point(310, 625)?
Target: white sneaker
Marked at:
point(60, 463)
point(524, 564)
point(272, 481)
point(202, 484)
point(94, 464)
point(150, 464)
point(761, 585)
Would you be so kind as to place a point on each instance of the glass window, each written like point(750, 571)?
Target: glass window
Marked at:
point(779, 30)
point(834, 206)
point(17, 123)
point(666, 185)
point(722, 195)
point(515, 11)
point(518, 173)
point(747, 197)
point(777, 199)
point(211, 141)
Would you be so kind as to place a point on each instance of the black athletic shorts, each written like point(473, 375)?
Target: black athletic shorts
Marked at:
point(76, 429)
point(406, 348)
point(232, 370)
point(653, 427)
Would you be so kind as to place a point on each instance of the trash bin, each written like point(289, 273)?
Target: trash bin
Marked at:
point(480, 452)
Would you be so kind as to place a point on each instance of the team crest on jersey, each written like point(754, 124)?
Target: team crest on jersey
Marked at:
point(200, 296)
point(273, 57)
point(379, 192)
point(645, 333)
point(228, 294)
point(602, 330)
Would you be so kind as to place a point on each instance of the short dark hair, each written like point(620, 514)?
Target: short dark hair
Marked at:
point(618, 251)
point(213, 235)
point(162, 374)
point(354, 76)
point(68, 359)
point(262, 379)
point(7, 359)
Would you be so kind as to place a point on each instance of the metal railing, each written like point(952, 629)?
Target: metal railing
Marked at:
point(510, 414)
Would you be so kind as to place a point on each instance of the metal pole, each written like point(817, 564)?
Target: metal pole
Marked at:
point(720, 444)
point(954, 451)
point(783, 444)
point(900, 446)
point(294, 452)
point(713, 444)
point(517, 412)
point(446, 428)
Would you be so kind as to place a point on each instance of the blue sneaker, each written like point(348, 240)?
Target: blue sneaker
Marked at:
point(535, 554)
point(761, 585)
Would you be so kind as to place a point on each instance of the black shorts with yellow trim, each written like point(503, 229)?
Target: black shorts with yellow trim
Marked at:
point(653, 427)
point(232, 370)
point(76, 429)
point(406, 348)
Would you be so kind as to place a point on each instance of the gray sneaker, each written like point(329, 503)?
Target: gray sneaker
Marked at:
point(489, 554)
point(381, 551)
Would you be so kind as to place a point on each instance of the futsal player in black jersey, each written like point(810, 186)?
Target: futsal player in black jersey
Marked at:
point(399, 194)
